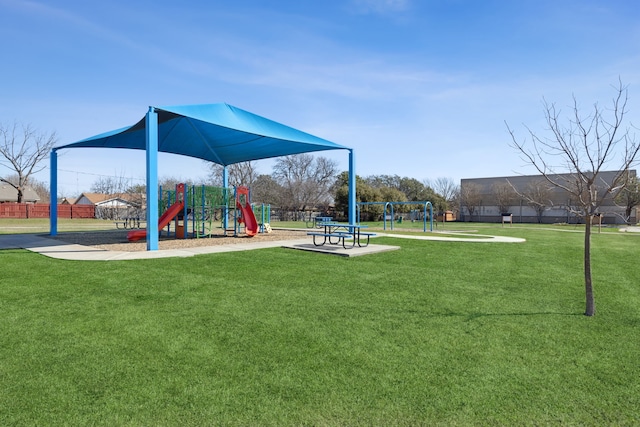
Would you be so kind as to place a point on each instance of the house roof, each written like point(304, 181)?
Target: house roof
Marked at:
point(219, 133)
point(99, 198)
point(10, 194)
point(68, 200)
point(93, 197)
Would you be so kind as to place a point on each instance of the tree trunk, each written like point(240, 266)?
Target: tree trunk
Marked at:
point(590, 309)
point(20, 195)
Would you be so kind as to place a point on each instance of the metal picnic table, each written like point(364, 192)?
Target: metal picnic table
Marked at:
point(335, 233)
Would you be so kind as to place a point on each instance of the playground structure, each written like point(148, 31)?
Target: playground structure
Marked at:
point(388, 207)
point(199, 211)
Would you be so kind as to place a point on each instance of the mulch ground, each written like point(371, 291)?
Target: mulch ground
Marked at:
point(116, 240)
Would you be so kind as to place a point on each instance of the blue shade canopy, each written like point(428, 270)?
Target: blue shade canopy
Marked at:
point(219, 133)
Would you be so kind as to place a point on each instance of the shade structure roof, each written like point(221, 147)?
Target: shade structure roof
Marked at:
point(220, 133)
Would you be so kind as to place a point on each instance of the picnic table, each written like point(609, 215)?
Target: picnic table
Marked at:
point(335, 233)
point(130, 222)
point(317, 221)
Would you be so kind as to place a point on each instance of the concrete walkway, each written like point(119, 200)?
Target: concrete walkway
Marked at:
point(469, 238)
point(61, 250)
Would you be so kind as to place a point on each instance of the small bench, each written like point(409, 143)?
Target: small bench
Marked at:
point(368, 236)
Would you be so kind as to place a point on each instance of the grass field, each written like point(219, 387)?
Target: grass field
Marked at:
point(437, 333)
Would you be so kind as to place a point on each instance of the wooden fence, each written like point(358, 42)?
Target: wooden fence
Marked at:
point(41, 210)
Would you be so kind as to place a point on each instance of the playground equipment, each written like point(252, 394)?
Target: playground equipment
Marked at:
point(209, 207)
point(165, 219)
point(246, 211)
point(196, 211)
point(391, 215)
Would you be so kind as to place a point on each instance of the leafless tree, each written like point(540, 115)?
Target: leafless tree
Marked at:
point(629, 196)
point(445, 187)
point(170, 182)
point(448, 190)
point(585, 146)
point(110, 185)
point(23, 149)
point(306, 180)
point(244, 173)
point(504, 194)
point(470, 198)
point(266, 190)
point(537, 194)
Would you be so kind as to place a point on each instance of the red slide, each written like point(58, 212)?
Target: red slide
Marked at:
point(250, 223)
point(165, 219)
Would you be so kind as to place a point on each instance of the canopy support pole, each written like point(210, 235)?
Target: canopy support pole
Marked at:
point(352, 187)
point(225, 185)
point(152, 179)
point(53, 193)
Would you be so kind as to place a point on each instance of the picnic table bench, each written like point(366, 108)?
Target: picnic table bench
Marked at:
point(335, 233)
point(132, 222)
point(317, 221)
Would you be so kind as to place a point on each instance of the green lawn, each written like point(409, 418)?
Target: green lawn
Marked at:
point(41, 225)
point(437, 333)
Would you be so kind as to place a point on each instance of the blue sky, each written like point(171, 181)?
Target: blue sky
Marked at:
point(419, 88)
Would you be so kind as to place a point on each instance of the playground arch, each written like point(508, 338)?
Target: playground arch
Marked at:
point(219, 133)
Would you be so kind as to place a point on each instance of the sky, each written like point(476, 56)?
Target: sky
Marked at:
point(418, 88)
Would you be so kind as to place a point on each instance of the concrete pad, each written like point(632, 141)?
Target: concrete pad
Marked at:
point(630, 229)
point(340, 251)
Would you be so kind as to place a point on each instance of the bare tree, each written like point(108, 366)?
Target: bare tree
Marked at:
point(306, 180)
point(585, 145)
point(170, 182)
point(445, 187)
point(23, 149)
point(244, 173)
point(110, 185)
point(629, 196)
point(470, 198)
point(448, 190)
point(537, 194)
point(504, 194)
point(42, 188)
point(266, 190)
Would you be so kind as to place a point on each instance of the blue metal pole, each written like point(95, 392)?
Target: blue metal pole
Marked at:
point(152, 179)
point(352, 187)
point(236, 226)
point(225, 185)
point(392, 215)
point(185, 209)
point(384, 216)
point(53, 193)
point(424, 220)
point(203, 216)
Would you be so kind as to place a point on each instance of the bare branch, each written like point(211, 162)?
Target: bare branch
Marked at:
point(22, 150)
